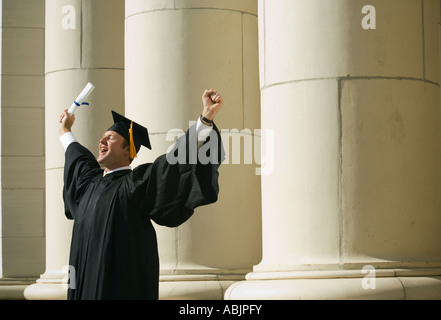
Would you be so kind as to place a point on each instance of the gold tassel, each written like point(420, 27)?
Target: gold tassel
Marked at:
point(132, 143)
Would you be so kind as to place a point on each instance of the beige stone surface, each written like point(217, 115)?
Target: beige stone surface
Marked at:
point(356, 176)
point(23, 213)
point(23, 172)
point(391, 174)
point(325, 39)
point(193, 290)
point(140, 6)
point(369, 284)
point(23, 13)
point(199, 240)
point(23, 50)
point(17, 136)
point(432, 15)
point(22, 147)
point(133, 7)
point(165, 79)
point(316, 289)
point(251, 96)
point(102, 43)
point(422, 288)
point(22, 256)
point(246, 6)
point(50, 286)
point(58, 228)
point(301, 219)
point(13, 289)
point(62, 46)
point(17, 92)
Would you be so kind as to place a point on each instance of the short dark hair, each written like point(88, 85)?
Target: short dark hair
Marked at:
point(125, 145)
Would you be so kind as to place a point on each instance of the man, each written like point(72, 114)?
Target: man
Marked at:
point(114, 248)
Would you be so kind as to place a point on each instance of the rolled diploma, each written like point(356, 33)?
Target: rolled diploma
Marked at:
point(83, 95)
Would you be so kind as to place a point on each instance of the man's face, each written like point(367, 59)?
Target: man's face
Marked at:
point(113, 151)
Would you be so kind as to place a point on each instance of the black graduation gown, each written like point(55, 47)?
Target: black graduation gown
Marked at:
point(114, 251)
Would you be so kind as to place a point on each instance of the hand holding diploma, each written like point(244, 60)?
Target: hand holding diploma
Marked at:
point(66, 121)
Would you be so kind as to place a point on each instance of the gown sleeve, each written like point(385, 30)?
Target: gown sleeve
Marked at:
point(173, 189)
point(79, 169)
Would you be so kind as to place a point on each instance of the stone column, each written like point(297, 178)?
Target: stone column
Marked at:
point(352, 207)
point(22, 240)
point(84, 43)
point(174, 51)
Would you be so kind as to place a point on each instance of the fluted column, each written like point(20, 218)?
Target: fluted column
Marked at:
point(352, 207)
point(84, 43)
point(174, 51)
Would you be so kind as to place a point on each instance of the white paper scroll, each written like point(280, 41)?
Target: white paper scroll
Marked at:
point(79, 100)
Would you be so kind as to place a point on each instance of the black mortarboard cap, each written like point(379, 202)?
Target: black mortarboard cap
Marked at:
point(135, 134)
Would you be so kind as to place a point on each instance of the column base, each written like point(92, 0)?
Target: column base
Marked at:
point(339, 285)
point(50, 286)
point(171, 287)
point(13, 288)
point(196, 287)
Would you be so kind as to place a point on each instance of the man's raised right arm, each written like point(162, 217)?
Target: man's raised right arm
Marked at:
point(65, 129)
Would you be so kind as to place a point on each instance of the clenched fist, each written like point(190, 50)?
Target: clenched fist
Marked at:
point(212, 102)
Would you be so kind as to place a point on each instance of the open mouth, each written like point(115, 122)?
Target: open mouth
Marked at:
point(103, 149)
